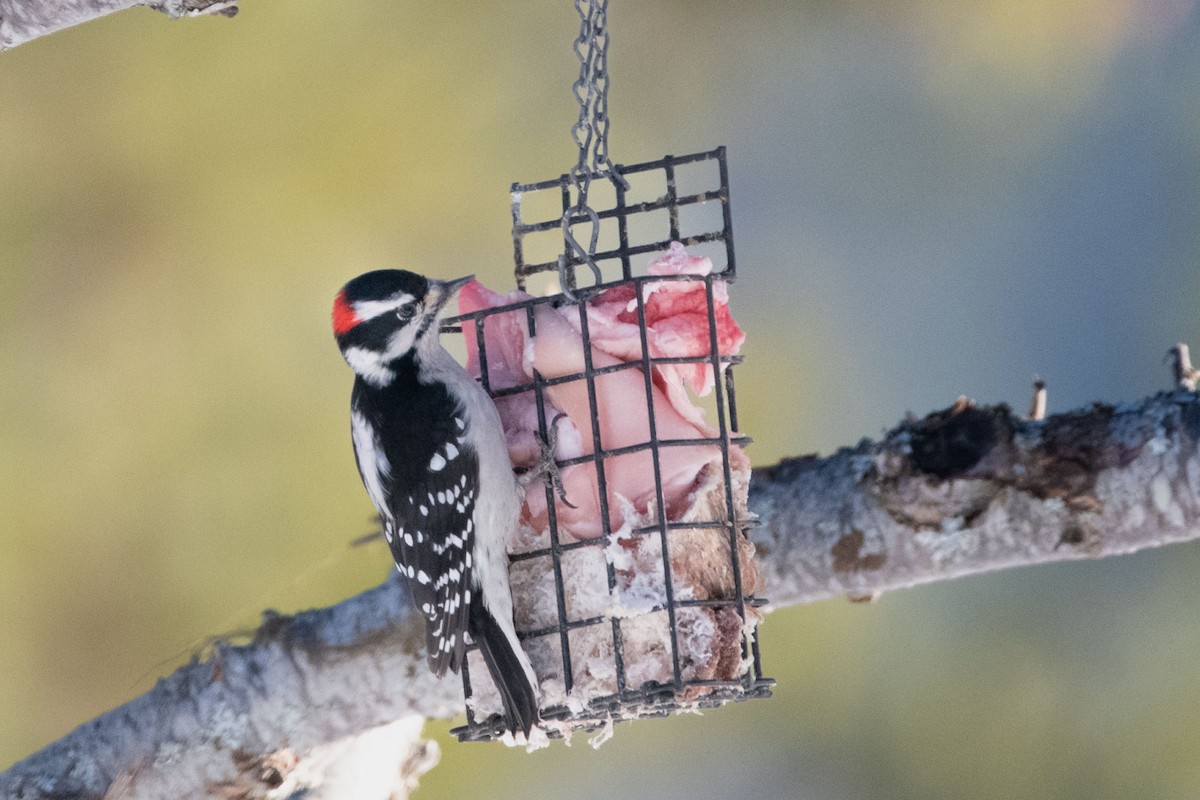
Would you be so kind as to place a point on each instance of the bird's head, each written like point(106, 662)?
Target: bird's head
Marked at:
point(383, 316)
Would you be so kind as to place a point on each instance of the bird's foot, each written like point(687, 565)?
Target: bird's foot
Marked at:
point(546, 467)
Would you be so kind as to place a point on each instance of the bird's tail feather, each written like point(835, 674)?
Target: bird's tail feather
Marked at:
point(507, 667)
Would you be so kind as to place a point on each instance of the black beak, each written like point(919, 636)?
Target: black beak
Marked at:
point(450, 287)
point(440, 292)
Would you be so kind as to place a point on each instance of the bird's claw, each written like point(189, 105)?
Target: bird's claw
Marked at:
point(546, 467)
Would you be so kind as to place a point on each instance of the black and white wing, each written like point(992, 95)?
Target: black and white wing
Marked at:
point(432, 542)
point(423, 477)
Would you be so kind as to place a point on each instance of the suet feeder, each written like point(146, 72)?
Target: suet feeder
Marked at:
point(627, 606)
point(633, 578)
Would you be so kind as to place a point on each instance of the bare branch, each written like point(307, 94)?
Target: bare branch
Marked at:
point(1181, 363)
point(975, 490)
point(22, 21)
point(1037, 409)
point(962, 491)
point(345, 689)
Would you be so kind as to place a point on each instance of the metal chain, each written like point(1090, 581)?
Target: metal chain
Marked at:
point(585, 90)
point(600, 155)
point(590, 133)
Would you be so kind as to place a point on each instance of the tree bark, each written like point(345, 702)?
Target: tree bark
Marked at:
point(972, 490)
point(964, 490)
point(22, 21)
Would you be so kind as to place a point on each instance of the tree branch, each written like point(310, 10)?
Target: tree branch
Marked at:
point(972, 490)
point(320, 679)
point(22, 21)
point(962, 491)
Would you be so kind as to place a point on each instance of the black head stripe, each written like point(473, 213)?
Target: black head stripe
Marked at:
point(384, 283)
point(371, 334)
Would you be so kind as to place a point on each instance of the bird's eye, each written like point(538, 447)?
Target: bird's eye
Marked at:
point(406, 311)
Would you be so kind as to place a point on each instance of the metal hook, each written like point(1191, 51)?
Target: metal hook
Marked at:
point(585, 254)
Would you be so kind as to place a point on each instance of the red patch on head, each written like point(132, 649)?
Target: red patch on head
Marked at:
point(344, 317)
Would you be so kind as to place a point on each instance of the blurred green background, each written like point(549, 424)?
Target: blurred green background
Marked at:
point(930, 198)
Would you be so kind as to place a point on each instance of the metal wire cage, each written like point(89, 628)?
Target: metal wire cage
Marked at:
point(590, 649)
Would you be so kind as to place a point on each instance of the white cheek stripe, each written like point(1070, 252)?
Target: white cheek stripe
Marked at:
point(402, 341)
point(369, 309)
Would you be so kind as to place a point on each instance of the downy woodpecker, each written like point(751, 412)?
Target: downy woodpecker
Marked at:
point(431, 453)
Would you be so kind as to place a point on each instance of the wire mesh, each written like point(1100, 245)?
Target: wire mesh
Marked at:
point(674, 199)
point(639, 223)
